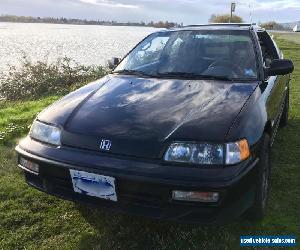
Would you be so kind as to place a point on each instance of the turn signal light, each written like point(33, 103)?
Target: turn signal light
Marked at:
point(29, 165)
point(195, 196)
point(244, 149)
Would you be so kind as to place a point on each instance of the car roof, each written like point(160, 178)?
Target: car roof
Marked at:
point(221, 26)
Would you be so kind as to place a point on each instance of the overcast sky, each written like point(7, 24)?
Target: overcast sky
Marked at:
point(186, 11)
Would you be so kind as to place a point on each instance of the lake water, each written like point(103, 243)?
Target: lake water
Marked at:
point(86, 44)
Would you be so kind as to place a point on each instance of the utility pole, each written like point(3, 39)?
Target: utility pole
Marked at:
point(233, 5)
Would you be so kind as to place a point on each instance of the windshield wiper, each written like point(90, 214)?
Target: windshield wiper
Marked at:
point(222, 78)
point(132, 72)
point(194, 76)
point(226, 78)
point(178, 74)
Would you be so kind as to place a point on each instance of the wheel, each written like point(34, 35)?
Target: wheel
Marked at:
point(258, 210)
point(285, 113)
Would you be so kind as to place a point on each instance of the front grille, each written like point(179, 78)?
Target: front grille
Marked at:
point(142, 193)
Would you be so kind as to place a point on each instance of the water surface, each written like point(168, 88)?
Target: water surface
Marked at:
point(86, 44)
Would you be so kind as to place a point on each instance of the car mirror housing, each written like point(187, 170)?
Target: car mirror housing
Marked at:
point(280, 67)
point(113, 62)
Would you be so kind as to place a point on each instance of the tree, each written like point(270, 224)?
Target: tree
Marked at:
point(272, 26)
point(162, 24)
point(225, 19)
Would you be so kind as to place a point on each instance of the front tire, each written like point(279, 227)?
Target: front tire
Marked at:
point(258, 210)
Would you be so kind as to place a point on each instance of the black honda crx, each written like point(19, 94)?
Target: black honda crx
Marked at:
point(180, 130)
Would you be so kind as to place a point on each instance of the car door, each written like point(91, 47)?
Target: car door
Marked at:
point(277, 86)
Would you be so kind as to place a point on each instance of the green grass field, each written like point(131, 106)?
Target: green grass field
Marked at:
point(289, 36)
point(30, 219)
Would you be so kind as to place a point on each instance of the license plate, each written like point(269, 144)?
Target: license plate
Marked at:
point(94, 185)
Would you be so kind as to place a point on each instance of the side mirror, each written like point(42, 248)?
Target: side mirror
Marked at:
point(113, 62)
point(280, 67)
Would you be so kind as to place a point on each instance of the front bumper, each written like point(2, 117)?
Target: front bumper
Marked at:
point(144, 187)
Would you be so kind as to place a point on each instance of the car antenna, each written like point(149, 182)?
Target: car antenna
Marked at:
point(250, 15)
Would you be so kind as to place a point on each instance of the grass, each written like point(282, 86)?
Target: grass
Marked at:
point(289, 36)
point(30, 219)
point(16, 117)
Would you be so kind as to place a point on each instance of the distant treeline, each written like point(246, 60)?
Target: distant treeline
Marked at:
point(62, 20)
point(273, 26)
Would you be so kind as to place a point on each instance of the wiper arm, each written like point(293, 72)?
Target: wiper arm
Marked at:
point(226, 78)
point(131, 72)
point(178, 74)
point(194, 76)
point(211, 77)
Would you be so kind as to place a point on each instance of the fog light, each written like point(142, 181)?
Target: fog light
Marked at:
point(28, 165)
point(195, 196)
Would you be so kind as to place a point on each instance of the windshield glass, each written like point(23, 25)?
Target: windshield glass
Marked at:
point(201, 53)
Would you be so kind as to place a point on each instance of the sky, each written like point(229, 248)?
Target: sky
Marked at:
point(186, 11)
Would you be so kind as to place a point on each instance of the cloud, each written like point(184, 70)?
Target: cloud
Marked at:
point(275, 5)
point(186, 11)
point(268, 5)
point(109, 3)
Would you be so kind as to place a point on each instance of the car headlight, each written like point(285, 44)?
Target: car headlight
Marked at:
point(196, 153)
point(207, 154)
point(45, 133)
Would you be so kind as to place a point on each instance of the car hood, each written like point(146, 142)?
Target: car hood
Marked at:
point(141, 116)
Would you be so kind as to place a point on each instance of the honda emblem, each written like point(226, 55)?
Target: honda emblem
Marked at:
point(105, 145)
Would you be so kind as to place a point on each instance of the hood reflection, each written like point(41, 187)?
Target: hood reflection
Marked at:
point(159, 109)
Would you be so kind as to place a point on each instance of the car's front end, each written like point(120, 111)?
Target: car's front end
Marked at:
point(151, 188)
point(154, 138)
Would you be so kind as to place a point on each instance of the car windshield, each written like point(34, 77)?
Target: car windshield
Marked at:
point(211, 54)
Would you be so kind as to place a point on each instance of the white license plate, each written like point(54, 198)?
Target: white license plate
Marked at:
point(94, 185)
